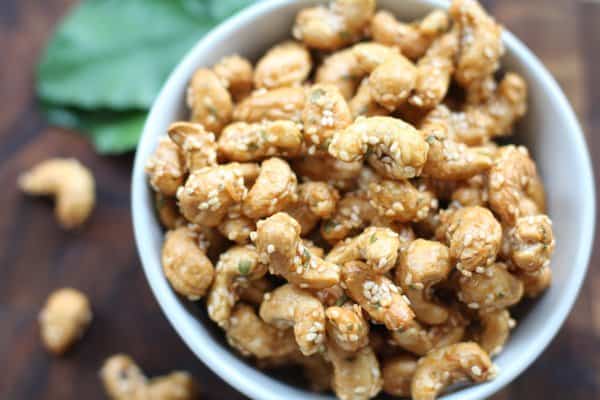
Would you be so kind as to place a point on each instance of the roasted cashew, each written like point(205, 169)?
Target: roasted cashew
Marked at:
point(251, 336)
point(531, 242)
point(122, 378)
point(397, 375)
point(288, 306)
point(286, 64)
point(185, 264)
point(496, 326)
point(378, 247)
point(356, 376)
point(535, 283)
point(323, 167)
point(494, 289)
point(64, 319)
point(71, 184)
point(236, 266)
point(363, 103)
point(237, 228)
point(197, 146)
point(178, 385)
point(333, 27)
point(210, 192)
point(167, 211)
point(472, 192)
point(316, 200)
point(393, 81)
point(424, 264)
point(342, 70)
point(440, 368)
point(377, 295)
point(209, 101)
point(284, 103)
point(236, 74)
point(392, 147)
point(414, 39)
point(401, 201)
point(279, 243)
point(347, 327)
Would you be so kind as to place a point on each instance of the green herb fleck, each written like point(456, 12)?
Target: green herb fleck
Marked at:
point(316, 94)
point(329, 225)
point(263, 135)
point(500, 295)
point(252, 146)
point(345, 35)
point(340, 302)
point(325, 144)
point(373, 239)
point(212, 111)
point(431, 139)
point(306, 255)
point(244, 266)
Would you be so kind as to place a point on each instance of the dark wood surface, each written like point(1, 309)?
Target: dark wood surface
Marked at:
point(100, 259)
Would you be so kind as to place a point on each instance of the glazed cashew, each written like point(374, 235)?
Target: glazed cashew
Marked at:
point(122, 378)
point(474, 237)
point(495, 289)
point(237, 228)
point(347, 327)
point(178, 385)
point(401, 201)
point(167, 211)
point(64, 319)
point(316, 200)
point(424, 264)
point(535, 283)
point(279, 243)
point(251, 336)
point(236, 266)
point(236, 74)
point(275, 189)
point(284, 103)
point(378, 247)
point(185, 264)
point(252, 292)
point(531, 242)
point(165, 168)
point(392, 147)
point(434, 71)
point(440, 368)
point(209, 101)
point(472, 192)
point(363, 103)
point(515, 188)
point(496, 326)
point(71, 184)
point(323, 167)
point(397, 375)
point(210, 192)
point(414, 39)
point(342, 70)
point(392, 82)
point(286, 64)
point(356, 376)
point(241, 141)
point(197, 146)
point(288, 306)
point(333, 27)
point(377, 295)
point(353, 214)
point(325, 112)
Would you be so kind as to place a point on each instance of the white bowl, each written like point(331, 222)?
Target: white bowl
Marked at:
point(550, 130)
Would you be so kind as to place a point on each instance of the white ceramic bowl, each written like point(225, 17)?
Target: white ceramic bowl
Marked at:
point(550, 130)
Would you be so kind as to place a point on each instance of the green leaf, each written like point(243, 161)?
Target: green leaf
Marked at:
point(112, 132)
point(116, 54)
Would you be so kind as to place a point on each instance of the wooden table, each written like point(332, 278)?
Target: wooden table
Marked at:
point(36, 256)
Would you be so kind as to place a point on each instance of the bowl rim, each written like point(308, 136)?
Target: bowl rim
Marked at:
point(255, 384)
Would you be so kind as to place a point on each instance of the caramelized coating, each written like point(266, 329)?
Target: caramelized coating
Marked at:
point(236, 228)
point(64, 319)
point(434, 71)
point(275, 189)
point(472, 192)
point(392, 147)
point(167, 211)
point(353, 214)
point(342, 70)
point(363, 103)
point(370, 55)
point(178, 385)
point(197, 146)
point(342, 175)
point(325, 113)
point(235, 267)
point(185, 264)
point(392, 81)
point(424, 264)
point(401, 201)
point(251, 336)
point(515, 188)
point(122, 378)
point(284, 103)
point(241, 141)
point(210, 192)
point(347, 327)
point(338, 25)
point(474, 237)
point(535, 283)
point(531, 242)
point(414, 39)
point(165, 169)
point(286, 64)
point(443, 367)
point(236, 74)
point(493, 290)
point(209, 101)
point(316, 200)
point(378, 247)
point(496, 326)
point(279, 243)
point(356, 376)
point(397, 373)
point(289, 306)
point(377, 295)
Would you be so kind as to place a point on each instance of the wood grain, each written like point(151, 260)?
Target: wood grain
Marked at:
point(36, 256)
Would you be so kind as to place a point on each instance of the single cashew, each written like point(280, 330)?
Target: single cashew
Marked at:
point(393, 81)
point(356, 376)
point(236, 74)
point(64, 319)
point(279, 243)
point(185, 264)
point(535, 283)
point(209, 101)
point(531, 242)
point(316, 200)
point(236, 266)
point(167, 211)
point(286, 64)
point(197, 146)
point(363, 103)
point(284, 103)
point(237, 228)
point(401, 201)
point(494, 289)
point(347, 327)
point(340, 69)
point(71, 184)
point(397, 375)
point(496, 326)
point(122, 378)
point(377, 295)
point(288, 306)
point(353, 214)
point(178, 385)
point(339, 174)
